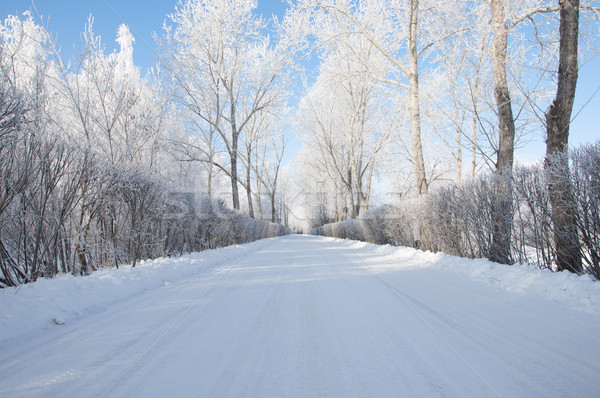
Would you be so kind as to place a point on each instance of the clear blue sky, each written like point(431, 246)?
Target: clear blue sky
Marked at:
point(67, 18)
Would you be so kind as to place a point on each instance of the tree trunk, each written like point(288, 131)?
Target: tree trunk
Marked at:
point(259, 200)
point(500, 250)
point(273, 195)
point(350, 191)
point(235, 197)
point(209, 179)
point(413, 103)
point(210, 163)
point(459, 159)
point(355, 174)
point(233, 154)
point(249, 185)
point(257, 181)
point(273, 210)
point(474, 146)
point(558, 118)
point(506, 130)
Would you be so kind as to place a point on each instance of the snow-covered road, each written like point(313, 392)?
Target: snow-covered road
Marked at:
point(303, 316)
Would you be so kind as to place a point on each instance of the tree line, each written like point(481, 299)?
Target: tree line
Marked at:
point(408, 88)
point(460, 220)
point(415, 96)
point(87, 173)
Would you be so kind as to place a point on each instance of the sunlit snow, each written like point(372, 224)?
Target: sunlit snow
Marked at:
point(303, 316)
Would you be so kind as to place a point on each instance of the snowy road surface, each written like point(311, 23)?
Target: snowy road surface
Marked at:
point(304, 316)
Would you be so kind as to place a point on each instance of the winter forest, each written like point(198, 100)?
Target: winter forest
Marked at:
point(402, 118)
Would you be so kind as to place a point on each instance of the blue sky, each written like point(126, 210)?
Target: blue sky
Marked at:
point(67, 19)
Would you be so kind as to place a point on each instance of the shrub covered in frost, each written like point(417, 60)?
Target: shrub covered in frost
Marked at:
point(459, 219)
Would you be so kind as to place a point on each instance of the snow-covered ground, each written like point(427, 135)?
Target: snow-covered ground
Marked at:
point(303, 316)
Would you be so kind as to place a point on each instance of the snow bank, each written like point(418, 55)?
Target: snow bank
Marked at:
point(50, 302)
point(578, 292)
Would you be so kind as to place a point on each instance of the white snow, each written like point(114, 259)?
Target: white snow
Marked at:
point(303, 316)
point(576, 292)
point(33, 308)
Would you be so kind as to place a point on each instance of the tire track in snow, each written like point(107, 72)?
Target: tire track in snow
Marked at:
point(492, 326)
point(309, 318)
point(148, 351)
point(129, 344)
point(404, 298)
point(97, 315)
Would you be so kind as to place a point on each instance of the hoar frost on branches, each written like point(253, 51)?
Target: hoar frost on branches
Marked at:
point(85, 173)
point(227, 71)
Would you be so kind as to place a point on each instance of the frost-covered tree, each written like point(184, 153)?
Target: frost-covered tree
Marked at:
point(344, 120)
point(558, 119)
point(226, 70)
point(404, 34)
point(272, 169)
point(107, 107)
point(84, 162)
point(524, 34)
